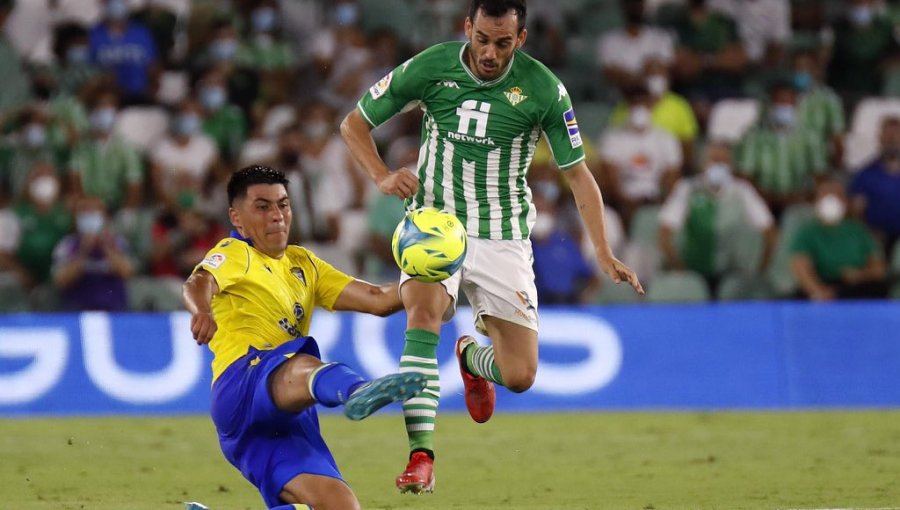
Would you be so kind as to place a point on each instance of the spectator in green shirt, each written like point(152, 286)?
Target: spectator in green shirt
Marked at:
point(820, 108)
point(265, 50)
point(834, 256)
point(73, 69)
point(782, 155)
point(104, 165)
point(223, 121)
point(30, 145)
point(43, 221)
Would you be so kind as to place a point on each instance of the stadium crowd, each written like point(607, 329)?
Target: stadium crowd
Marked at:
point(746, 149)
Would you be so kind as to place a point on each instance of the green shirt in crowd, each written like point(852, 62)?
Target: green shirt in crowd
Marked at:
point(782, 162)
point(849, 244)
point(39, 235)
point(107, 168)
point(228, 128)
point(821, 110)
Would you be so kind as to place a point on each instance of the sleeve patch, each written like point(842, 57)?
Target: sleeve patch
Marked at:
point(213, 261)
point(381, 87)
point(572, 127)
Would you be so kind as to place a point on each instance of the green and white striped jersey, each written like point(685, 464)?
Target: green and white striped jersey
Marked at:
point(478, 137)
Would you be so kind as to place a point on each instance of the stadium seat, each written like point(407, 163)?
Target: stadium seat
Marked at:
point(678, 287)
point(13, 297)
point(142, 126)
point(744, 287)
point(743, 248)
point(611, 294)
point(781, 279)
point(861, 142)
point(174, 86)
point(730, 119)
point(644, 228)
point(153, 294)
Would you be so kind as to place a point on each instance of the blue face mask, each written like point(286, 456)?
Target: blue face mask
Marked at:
point(213, 97)
point(102, 119)
point(783, 115)
point(77, 55)
point(263, 19)
point(116, 10)
point(223, 50)
point(346, 14)
point(803, 80)
point(187, 124)
point(861, 15)
point(35, 135)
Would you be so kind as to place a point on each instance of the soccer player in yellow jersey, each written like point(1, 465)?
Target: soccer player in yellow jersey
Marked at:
point(251, 300)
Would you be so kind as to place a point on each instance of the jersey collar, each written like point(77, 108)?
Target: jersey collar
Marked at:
point(479, 81)
point(235, 234)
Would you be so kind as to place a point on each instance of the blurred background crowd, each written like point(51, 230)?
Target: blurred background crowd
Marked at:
point(747, 149)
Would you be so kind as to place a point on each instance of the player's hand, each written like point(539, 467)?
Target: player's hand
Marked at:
point(203, 327)
point(402, 183)
point(619, 272)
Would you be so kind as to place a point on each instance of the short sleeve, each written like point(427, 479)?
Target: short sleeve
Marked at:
point(561, 128)
point(755, 209)
point(801, 243)
point(391, 94)
point(330, 282)
point(228, 262)
point(674, 210)
point(134, 171)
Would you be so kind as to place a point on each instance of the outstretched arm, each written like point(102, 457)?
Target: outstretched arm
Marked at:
point(197, 293)
point(590, 207)
point(360, 296)
point(357, 134)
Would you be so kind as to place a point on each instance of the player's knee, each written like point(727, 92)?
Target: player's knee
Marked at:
point(520, 380)
point(424, 316)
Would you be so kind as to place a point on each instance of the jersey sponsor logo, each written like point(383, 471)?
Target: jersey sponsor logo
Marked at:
point(562, 92)
point(515, 96)
point(572, 127)
point(213, 261)
point(472, 139)
point(381, 87)
point(450, 84)
point(473, 111)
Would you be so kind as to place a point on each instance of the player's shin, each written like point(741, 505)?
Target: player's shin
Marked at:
point(420, 355)
point(332, 384)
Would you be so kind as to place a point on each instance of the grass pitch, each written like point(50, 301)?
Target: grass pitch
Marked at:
point(639, 461)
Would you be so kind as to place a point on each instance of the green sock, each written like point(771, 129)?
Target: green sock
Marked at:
point(420, 355)
point(480, 362)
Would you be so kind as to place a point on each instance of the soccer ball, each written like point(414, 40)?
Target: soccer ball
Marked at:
point(429, 245)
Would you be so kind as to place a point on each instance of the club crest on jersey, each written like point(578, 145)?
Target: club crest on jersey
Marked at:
point(572, 127)
point(296, 271)
point(381, 87)
point(515, 96)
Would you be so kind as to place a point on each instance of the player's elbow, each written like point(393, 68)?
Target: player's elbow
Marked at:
point(349, 125)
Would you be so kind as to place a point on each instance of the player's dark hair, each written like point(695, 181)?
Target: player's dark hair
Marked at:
point(248, 176)
point(498, 9)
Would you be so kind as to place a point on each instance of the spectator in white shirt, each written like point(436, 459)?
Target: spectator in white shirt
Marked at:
point(623, 54)
point(763, 25)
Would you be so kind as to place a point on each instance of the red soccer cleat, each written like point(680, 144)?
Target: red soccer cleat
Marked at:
point(418, 476)
point(480, 394)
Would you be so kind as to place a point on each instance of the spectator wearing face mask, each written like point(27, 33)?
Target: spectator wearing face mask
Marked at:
point(782, 155)
point(834, 256)
point(624, 53)
point(640, 161)
point(264, 49)
point(42, 220)
point(865, 45)
point(73, 68)
point(562, 274)
point(126, 49)
point(103, 165)
point(876, 188)
point(223, 121)
point(91, 266)
point(183, 160)
point(30, 145)
point(820, 108)
point(669, 111)
point(708, 209)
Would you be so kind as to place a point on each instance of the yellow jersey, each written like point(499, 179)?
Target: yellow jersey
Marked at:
point(264, 302)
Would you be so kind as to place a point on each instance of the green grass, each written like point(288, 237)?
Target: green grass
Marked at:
point(560, 461)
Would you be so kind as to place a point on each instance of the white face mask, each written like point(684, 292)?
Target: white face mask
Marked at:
point(639, 117)
point(44, 189)
point(658, 85)
point(830, 209)
point(543, 225)
point(718, 175)
point(90, 223)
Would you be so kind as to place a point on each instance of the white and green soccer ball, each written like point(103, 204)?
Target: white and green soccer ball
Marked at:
point(429, 244)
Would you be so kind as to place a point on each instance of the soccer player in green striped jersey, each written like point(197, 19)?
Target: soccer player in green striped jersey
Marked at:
point(486, 103)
